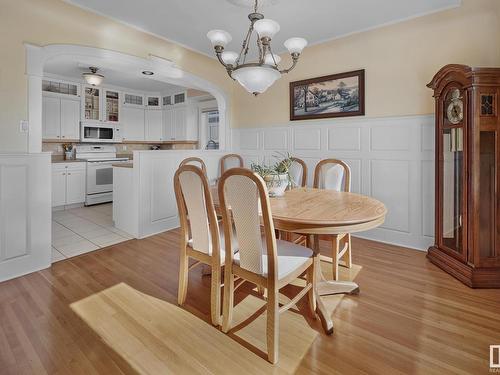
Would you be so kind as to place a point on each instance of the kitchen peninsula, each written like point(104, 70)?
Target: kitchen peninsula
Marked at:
point(144, 200)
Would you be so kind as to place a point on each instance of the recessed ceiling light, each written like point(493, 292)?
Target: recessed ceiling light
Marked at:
point(147, 73)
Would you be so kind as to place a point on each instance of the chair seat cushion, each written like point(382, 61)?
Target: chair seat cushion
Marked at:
point(290, 257)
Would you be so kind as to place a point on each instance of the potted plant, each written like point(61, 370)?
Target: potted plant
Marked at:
point(277, 176)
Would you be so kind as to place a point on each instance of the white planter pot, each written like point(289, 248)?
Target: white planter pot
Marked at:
point(276, 184)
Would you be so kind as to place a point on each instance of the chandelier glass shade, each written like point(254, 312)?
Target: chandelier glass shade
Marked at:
point(93, 78)
point(256, 76)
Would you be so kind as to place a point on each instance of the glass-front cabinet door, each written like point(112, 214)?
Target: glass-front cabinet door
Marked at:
point(92, 103)
point(452, 189)
point(112, 103)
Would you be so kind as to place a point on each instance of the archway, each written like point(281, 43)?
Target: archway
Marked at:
point(165, 71)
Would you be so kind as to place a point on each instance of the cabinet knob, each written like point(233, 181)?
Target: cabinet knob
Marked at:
point(69, 174)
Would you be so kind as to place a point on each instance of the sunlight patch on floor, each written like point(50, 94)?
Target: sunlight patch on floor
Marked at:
point(155, 336)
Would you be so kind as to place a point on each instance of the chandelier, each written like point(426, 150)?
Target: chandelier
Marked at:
point(255, 76)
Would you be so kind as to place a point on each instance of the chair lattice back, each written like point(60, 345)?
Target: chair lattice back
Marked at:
point(332, 174)
point(194, 201)
point(245, 195)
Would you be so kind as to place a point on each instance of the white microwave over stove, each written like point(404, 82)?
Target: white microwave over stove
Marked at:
point(100, 133)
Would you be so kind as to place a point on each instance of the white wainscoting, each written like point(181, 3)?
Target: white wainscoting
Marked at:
point(25, 213)
point(391, 159)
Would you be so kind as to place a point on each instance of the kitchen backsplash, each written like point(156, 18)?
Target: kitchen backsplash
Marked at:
point(56, 148)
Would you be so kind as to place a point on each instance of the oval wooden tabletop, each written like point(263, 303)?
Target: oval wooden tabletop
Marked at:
point(324, 208)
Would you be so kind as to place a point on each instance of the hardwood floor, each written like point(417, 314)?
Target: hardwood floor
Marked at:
point(113, 311)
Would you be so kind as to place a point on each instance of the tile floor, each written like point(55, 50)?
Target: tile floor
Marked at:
point(80, 230)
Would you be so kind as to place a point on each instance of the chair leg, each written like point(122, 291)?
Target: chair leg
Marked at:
point(215, 299)
point(335, 257)
point(261, 290)
point(183, 277)
point(311, 295)
point(227, 314)
point(272, 329)
point(347, 255)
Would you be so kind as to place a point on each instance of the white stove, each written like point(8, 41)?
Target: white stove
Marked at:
point(99, 171)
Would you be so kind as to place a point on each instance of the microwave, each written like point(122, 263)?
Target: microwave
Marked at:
point(100, 133)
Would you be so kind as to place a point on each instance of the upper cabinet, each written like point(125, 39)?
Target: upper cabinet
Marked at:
point(180, 123)
point(92, 109)
point(101, 104)
point(133, 100)
point(112, 106)
point(153, 102)
point(180, 98)
point(60, 118)
point(60, 110)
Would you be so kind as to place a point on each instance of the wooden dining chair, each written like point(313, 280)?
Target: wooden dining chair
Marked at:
point(298, 172)
point(194, 161)
point(261, 259)
point(230, 161)
point(201, 236)
point(334, 174)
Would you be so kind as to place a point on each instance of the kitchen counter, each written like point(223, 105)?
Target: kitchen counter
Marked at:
point(60, 159)
point(123, 165)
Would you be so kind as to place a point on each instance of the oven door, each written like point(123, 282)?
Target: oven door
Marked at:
point(99, 177)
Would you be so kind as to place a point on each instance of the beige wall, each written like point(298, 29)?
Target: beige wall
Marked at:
point(399, 60)
point(44, 22)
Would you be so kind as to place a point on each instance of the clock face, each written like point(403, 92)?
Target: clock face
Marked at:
point(455, 109)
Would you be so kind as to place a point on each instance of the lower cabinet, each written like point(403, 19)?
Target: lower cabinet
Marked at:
point(68, 183)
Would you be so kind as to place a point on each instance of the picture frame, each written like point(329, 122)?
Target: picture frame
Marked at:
point(335, 95)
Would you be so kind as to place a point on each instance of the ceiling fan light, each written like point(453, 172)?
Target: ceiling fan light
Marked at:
point(295, 45)
point(268, 59)
point(93, 78)
point(219, 38)
point(266, 28)
point(229, 57)
point(256, 79)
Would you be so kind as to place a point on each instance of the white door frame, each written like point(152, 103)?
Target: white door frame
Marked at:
point(165, 71)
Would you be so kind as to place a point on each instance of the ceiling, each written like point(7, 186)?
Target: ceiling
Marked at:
point(74, 66)
point(188, 21)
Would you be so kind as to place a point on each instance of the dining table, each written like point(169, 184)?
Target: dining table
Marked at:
point(315, 212)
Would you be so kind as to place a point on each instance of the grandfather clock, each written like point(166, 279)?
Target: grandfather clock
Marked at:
point(467, 232)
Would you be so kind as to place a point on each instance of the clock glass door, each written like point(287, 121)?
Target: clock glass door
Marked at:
point(452, 190)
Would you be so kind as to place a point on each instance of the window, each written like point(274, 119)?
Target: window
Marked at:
point(133, 99)
point(179, 98)
point(59, 87)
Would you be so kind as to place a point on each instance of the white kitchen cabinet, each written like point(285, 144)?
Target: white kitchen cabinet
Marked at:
point(68, 183)
point(153, 102)
point(133, 127)
point(168, 125)
point(153, 122)
point(92, 104)
point(75, 185)
point(58, 187)
point(180, 123)
point(60, 118)
point(70, 119)
point(111, 105)
point(51, 117)
point(180, 118)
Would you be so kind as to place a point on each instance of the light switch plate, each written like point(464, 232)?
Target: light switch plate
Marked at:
point(24, 126)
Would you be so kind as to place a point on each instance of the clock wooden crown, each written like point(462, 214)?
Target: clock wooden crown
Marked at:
point(467, 179)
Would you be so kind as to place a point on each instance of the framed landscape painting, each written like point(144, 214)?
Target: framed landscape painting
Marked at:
point(336, 95)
